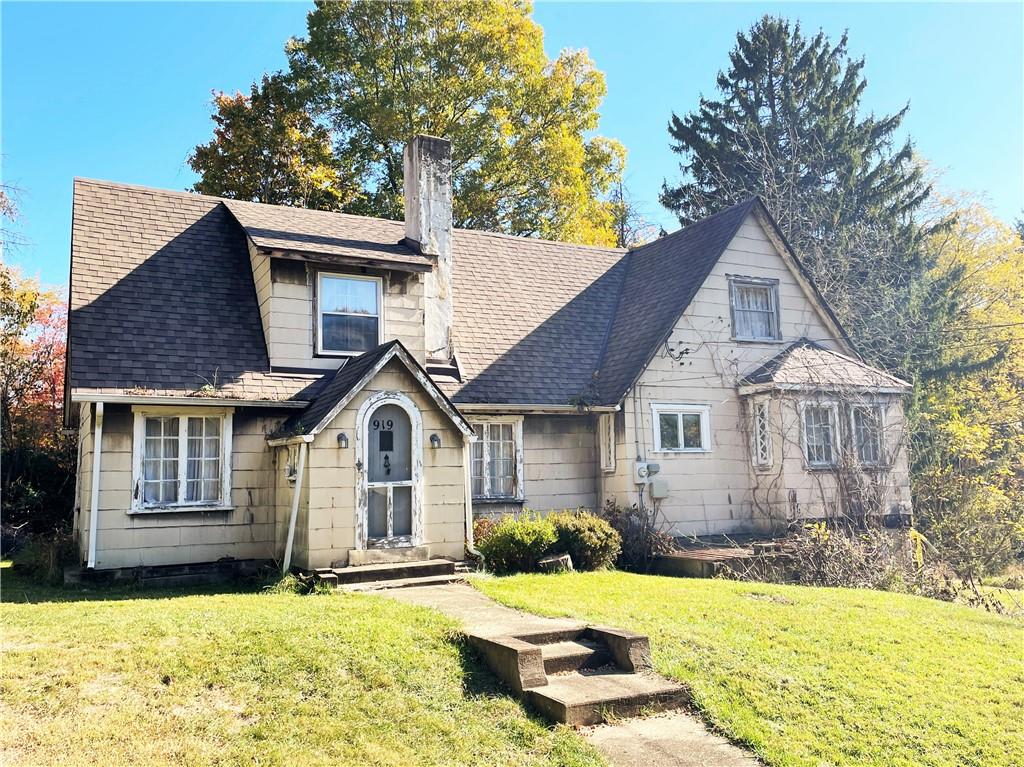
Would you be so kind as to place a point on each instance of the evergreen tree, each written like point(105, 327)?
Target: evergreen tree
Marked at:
point(787, 126)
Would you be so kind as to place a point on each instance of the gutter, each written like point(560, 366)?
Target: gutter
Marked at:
point(94, 490)
point(486, 407)
point(296, 493)
point(134, 399)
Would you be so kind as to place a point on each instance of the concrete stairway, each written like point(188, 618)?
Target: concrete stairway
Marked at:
point(581, 676)
point(390, 575)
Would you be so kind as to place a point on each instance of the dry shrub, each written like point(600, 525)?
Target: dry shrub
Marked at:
point(641, 538)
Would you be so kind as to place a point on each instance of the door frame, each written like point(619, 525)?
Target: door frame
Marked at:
point(362, 444)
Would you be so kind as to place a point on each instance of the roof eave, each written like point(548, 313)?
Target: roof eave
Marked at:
point(334, 259)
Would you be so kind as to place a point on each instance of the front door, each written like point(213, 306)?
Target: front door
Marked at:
point(389, 477)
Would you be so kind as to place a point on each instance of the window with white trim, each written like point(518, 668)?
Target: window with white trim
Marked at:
point(866, 430)
point(682, 428)
point(495, 461)
point(181, 460)
point(819, 433)
point(761, 434)
point(606, 440)
point(755, 309)
point(348, 313)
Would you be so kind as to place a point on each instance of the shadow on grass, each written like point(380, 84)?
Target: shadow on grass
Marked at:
point(18, 586)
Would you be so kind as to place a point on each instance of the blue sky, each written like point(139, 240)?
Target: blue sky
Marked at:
point(122, 90)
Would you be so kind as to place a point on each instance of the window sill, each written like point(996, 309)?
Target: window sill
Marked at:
point(682, 451)
point(177, 509)
point(757, 340)
point(497, 499)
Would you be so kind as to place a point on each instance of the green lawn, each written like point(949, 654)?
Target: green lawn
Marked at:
point(119, 678)
point(810, 676)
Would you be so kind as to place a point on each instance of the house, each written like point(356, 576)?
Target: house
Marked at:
point(259, 382)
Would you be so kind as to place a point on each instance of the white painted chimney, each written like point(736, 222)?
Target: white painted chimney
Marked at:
point(428, 227)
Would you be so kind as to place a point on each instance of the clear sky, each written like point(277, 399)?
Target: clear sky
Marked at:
point(122, 91)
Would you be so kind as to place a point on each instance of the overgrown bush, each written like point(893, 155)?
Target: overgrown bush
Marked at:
point(482, 527)
point(640, 539)
point(45, 555)
point(515, 543)
point(592, 543)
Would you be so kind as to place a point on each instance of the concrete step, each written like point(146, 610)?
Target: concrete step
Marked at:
point(553, 636)
point(403, 583)
point(562, 657)
point(343, 576)
point(588, 698)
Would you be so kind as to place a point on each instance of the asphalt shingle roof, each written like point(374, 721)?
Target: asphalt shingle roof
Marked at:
point(661, 279)
point(805, 363)
point(163, 301)
point(327, 237)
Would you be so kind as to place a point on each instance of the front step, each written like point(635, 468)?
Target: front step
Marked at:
point(591, 698)
point(403, 583)
point(346, 576)
point(562, 657)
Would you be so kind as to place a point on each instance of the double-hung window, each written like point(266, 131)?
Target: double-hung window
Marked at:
point(682, 428)
point(496, 455)
point(866, 430)
point(348, 313)
point(181, 460)
point(820, 423)
point(755, 309)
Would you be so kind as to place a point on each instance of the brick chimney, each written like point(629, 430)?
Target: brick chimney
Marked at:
point(428, 227)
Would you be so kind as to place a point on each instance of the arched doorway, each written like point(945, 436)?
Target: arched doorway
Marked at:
point(390, 464)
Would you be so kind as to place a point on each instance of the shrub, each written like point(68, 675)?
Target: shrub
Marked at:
point(641, 541)
point(592, 543)
point(482, 527)
point(515, 543)
point(45, 555)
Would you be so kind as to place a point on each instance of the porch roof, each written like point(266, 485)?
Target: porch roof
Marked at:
point(805, 364)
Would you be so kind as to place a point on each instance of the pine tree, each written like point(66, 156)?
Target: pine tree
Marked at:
point(787, 125)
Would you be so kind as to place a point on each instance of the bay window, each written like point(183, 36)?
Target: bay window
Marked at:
point(866, 430)
point(819, 434)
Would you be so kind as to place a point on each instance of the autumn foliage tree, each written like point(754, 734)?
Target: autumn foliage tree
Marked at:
point(370, 75)
point(38, 459)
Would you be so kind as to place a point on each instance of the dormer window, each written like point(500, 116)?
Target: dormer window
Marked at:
point(348, 313)
point(755, 309)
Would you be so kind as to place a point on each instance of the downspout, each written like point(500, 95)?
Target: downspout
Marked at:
point(296, 493)
point(94, 491)
point(467, 461)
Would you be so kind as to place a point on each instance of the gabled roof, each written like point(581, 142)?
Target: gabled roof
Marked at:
point(327, 237)
point(350, 379)
point(661, 279)
point(162, 297)
point(805, 364)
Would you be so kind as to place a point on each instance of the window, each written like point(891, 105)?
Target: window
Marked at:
point(606, 440)
point(495, 462)
point(762, 434)
point(755, 309)
point(180, 460)
point(819, 428)
point(866, 428)
point(348, 310)
point(682, 428)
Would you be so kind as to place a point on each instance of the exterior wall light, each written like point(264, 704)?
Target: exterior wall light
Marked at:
point(435, 441)
point(342, 440)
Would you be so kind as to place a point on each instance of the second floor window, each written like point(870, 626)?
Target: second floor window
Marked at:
point(755, 309)
point(348, 309)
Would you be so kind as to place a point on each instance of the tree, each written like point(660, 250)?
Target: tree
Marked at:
point(38, 459)
point(474, 72)
point(786, 125)
point(969, 444)
point(267, 148)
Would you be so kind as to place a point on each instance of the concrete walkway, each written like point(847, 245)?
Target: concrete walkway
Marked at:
point(672, 739)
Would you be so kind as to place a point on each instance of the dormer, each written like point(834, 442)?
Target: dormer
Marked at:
point(331, 286)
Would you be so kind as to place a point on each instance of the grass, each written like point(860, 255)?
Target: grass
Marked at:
point(812, 676)
point(160, 678)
